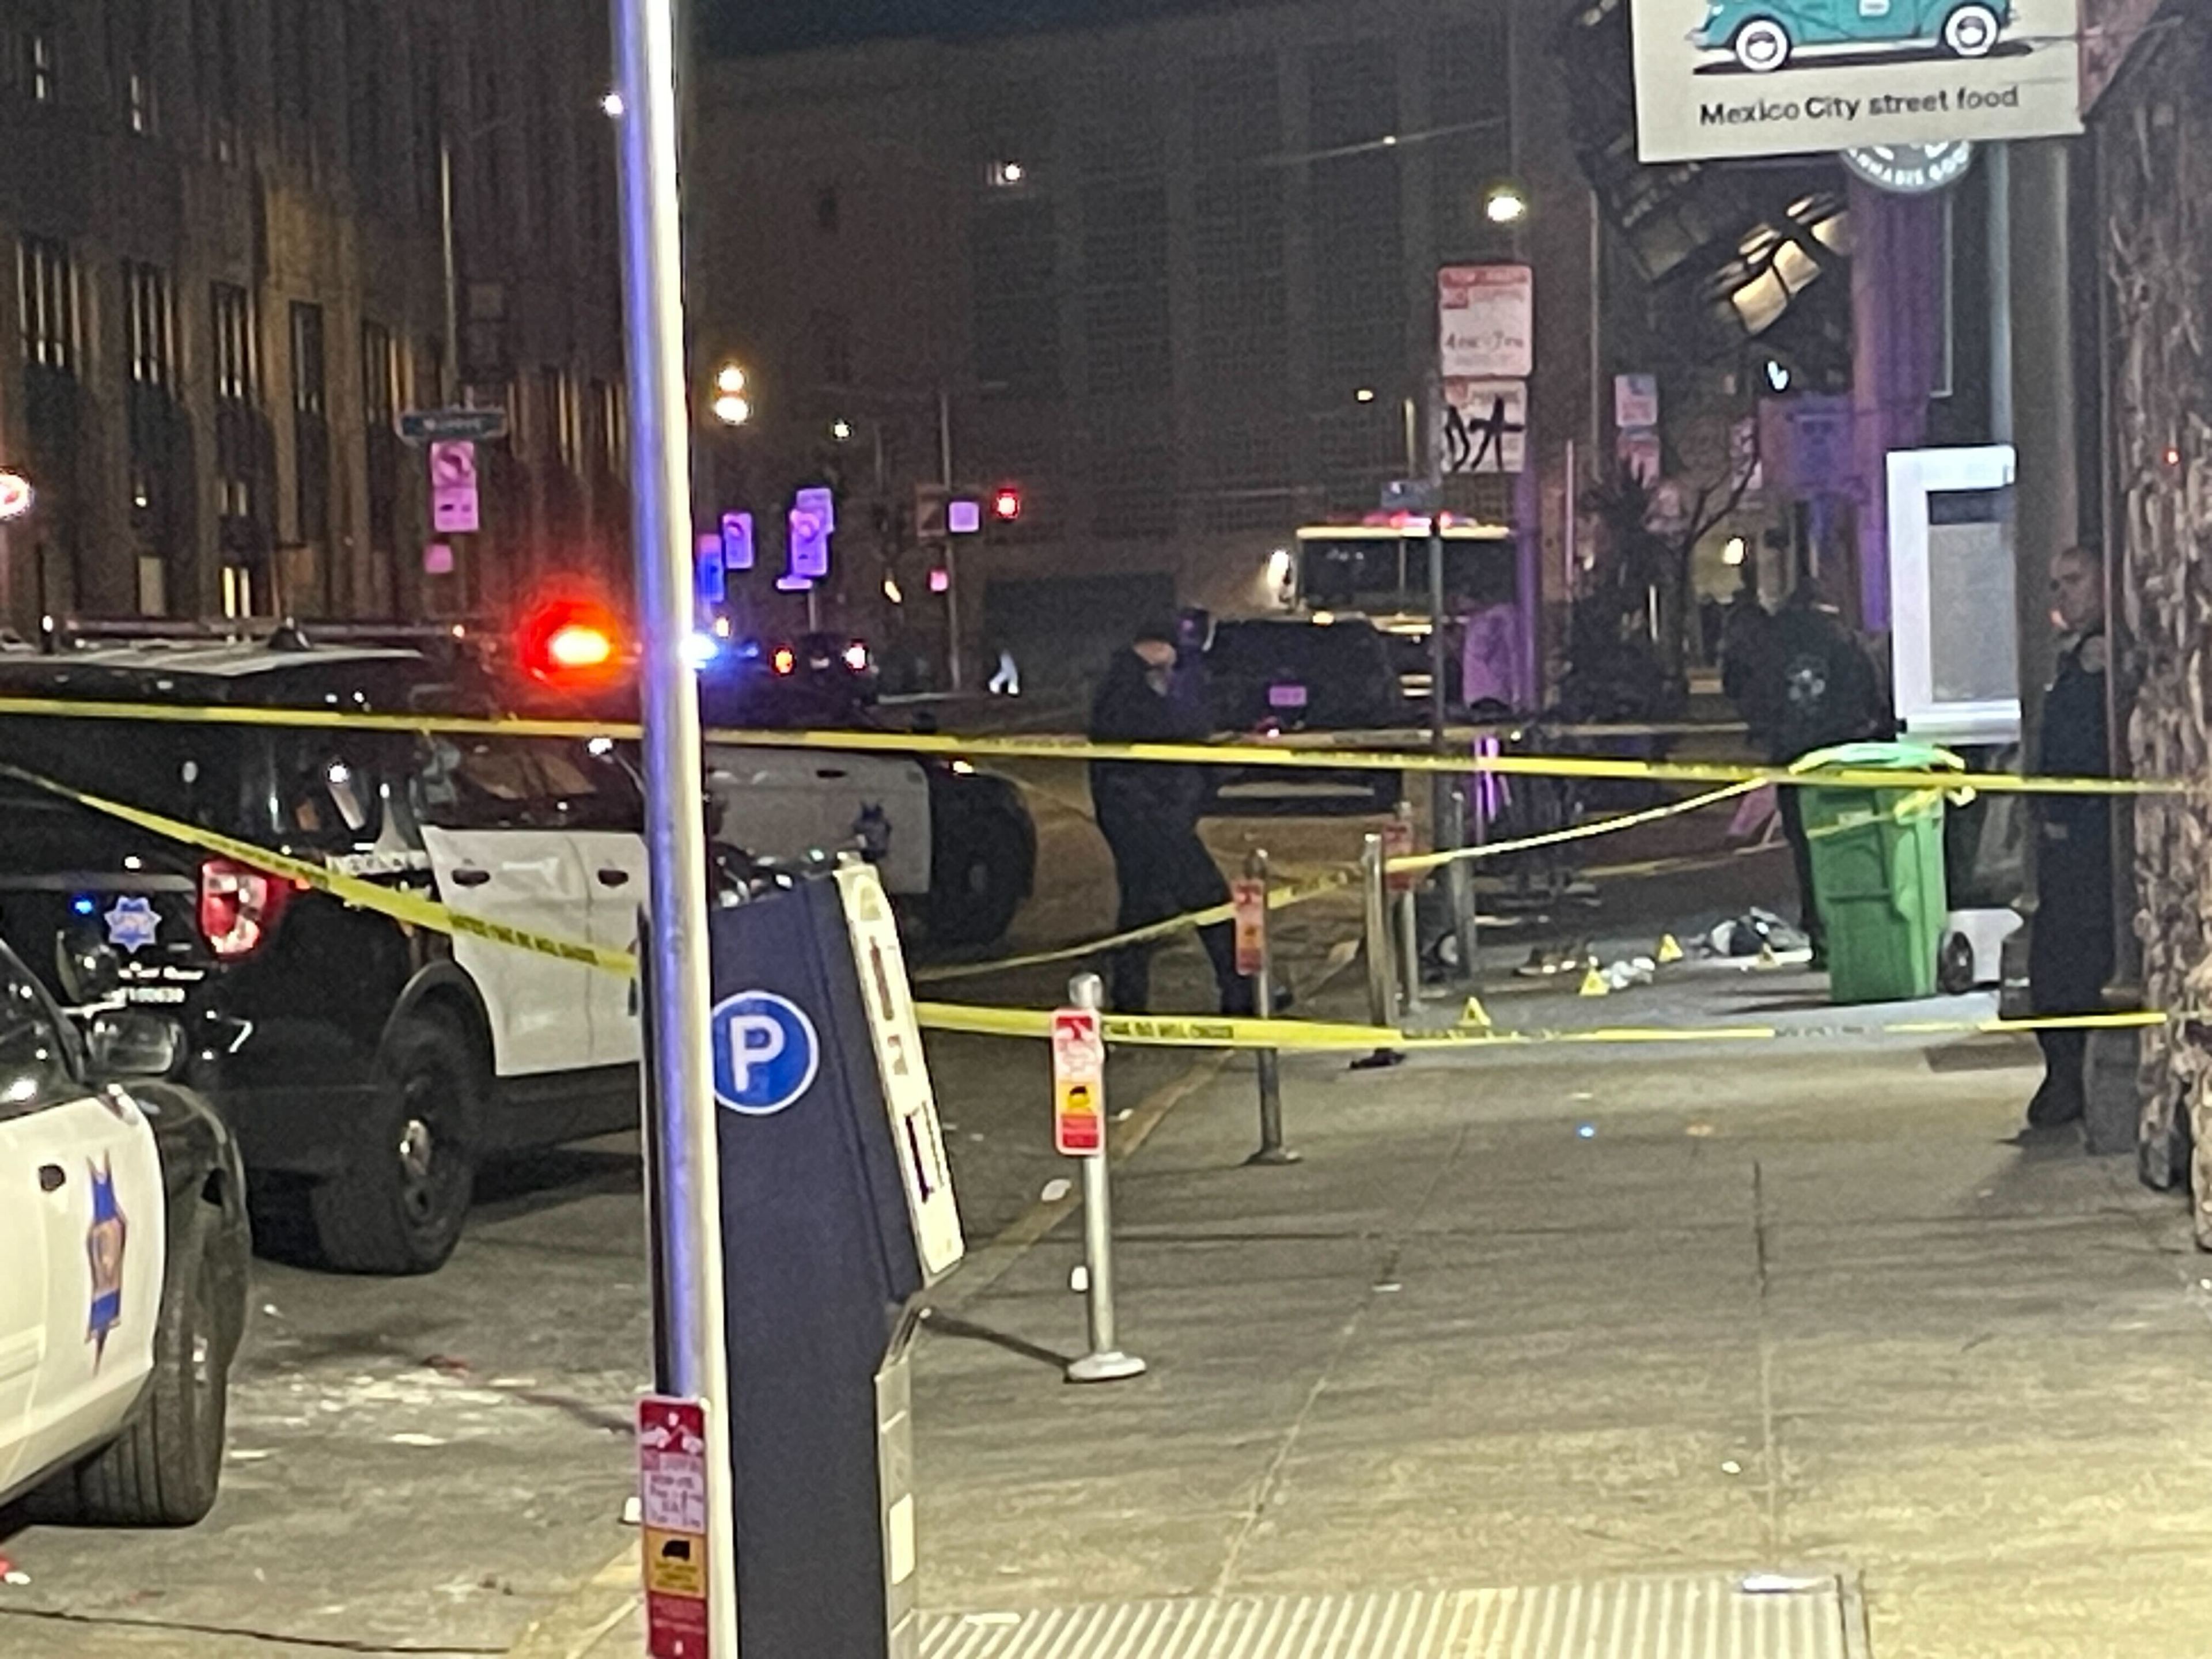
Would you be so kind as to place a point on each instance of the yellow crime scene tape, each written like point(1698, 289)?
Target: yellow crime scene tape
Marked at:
point(1333, 881)
point(1248, 754)
point(1126, 1030)
point(411, 909)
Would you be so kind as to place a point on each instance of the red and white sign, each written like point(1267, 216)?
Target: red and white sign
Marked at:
point(1398, 843)
point(1079, 1082)
point(1486, 322)
point(672, 1491)
point(1250, 899)
point(453, 509)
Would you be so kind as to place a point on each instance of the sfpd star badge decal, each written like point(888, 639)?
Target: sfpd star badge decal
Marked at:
point(131, 925)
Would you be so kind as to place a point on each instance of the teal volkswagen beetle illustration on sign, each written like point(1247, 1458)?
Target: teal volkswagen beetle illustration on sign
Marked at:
point(1763, 35)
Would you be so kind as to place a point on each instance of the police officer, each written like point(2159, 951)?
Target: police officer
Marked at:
point(1148, 813)
point(2070, 955)
point(1807, 684)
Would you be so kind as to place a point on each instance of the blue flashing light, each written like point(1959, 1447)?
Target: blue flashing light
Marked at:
point(85, 905)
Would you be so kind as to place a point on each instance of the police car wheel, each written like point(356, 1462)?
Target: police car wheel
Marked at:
point(165, 1468)
point(1761, 46)
point(397, 1207)
point(976, 890)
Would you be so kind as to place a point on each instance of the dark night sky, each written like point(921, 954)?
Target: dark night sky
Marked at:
point(744, 27)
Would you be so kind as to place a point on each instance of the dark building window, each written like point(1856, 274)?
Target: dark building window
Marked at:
point(237, 391)
point(826, 209)
point(831, 333)
point(214, 30)
point(38, 76)
point(564, 436)
point(380, 408)
point(311, 425)
point(46, 293)
point(149, 322)
point(1015, 256)
point(1471, 107)
point(130, 34)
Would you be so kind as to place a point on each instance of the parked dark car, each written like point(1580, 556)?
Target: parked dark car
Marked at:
point(1295, 675)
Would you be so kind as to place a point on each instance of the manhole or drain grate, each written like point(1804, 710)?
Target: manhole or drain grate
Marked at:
point(1702, 1618)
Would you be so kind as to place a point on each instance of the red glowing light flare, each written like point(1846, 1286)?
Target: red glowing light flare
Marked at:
point(940, 580)
point(785, 660)
point(1006, 503)
point(568, 641)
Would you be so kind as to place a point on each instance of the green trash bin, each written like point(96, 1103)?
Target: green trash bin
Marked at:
point(1878, 870)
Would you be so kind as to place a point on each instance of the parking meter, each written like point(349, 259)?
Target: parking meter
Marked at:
point(837, 1210)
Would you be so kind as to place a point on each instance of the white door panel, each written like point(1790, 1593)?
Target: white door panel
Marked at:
point(785, 803)
point(539, 1006)
point(107, 1240)
point(22, 1281)
point(615, 868)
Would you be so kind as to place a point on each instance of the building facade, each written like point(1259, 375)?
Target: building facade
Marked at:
point(1174, 281)
point(225, 218)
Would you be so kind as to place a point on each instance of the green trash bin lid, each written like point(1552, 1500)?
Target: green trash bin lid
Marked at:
point(1881, 757)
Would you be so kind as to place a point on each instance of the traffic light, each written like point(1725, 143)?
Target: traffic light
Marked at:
point(1006, 503)
point(570, 642)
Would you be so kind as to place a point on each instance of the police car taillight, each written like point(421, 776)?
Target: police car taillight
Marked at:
point(238, 907)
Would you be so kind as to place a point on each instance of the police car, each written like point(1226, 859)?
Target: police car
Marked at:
point(367, 1067)
point(123, 1267)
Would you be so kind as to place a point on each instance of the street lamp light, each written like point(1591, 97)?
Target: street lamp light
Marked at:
point(730, 406)
point(1505, 205)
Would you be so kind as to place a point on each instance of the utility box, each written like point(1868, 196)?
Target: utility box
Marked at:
point(837, 1211)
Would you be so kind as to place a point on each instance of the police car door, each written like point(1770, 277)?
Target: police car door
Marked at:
point(785, 803)
point(86, 1170)
point(598, 800)
point(497, 852)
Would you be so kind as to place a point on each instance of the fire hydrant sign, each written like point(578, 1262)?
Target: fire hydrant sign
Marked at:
point(1398, 843)
point(1720, 78)
point(1250, 898)
point(672, 1489)
point(1079, 1082)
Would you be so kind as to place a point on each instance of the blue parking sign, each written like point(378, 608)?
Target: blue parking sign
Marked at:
point(766, 1053)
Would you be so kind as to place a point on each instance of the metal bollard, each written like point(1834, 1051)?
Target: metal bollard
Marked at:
point(1409, 930)
point(1381, 996)
point(1105, 1362)
point(1272, 1150)
point(1459, 881)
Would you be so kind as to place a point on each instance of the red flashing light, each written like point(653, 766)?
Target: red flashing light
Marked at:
point(784, 661)
point(1006, 503)
point(238, 907)
point(569, 641)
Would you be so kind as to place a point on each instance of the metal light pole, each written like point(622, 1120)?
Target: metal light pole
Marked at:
point(453, 364)
point(952, 664)
point(687, 1195)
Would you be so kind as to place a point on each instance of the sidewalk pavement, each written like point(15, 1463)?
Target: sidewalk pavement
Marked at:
point(1599, 1318)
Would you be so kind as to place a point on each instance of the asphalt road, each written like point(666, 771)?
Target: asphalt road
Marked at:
point(426, 1465)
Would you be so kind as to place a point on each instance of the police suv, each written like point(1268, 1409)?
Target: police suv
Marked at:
point(123, 1265)
point(368, 1067)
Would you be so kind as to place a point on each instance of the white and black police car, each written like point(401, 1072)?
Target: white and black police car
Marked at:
point(367, 1067)
point(123, 1250)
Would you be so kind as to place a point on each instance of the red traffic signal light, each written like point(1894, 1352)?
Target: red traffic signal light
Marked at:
point(570, 642)
point(1006, 503)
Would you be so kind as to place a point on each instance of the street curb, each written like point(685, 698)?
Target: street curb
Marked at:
point(587, 1615)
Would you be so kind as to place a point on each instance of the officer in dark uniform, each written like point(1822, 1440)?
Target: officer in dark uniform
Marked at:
point(2070, 955)
point(1148, 813)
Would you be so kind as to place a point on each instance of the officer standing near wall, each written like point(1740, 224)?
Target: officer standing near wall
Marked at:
point(2070, 956)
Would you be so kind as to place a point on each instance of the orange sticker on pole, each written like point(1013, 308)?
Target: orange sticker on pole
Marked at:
point(1079, 1082)
point(1250, 898)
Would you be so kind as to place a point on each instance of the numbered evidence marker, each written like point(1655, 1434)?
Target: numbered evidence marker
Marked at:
point(672, 1489)
point(1079, 1082)
point(904, 1071)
